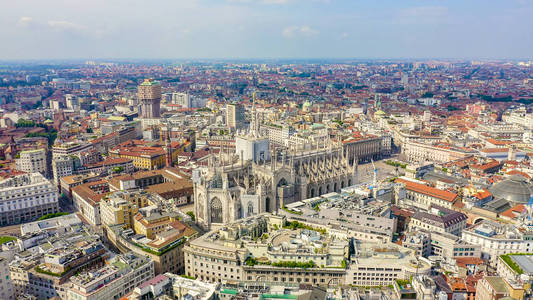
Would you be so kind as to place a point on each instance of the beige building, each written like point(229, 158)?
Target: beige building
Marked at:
point(380, 264)
point(150, 222)
point(491, 288)
point(262, 248)
point(117, 211)
point(161, 236)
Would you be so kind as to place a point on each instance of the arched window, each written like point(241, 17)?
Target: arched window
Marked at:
point(342, 184)
point(250, 208)
point(319, 191)
point(282, 182)
point(312, 193)
point(349, 182)
point(327, 188)
point(216, 210)
point(267, 204)
point(335, 187)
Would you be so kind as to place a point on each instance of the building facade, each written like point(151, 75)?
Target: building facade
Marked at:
point(32, 161)
point(26, 197)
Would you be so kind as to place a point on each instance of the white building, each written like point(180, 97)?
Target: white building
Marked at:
point(26, 197)
point(252, 148)
point(33, 161)
point(182, 99)
point(277, 134)
point(175, 286)
point(421, 152)
point(72, 102)
point(70, 148)
point(63, 166)
point(496, 239)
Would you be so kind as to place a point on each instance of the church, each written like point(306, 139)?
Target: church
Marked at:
point(255, 178)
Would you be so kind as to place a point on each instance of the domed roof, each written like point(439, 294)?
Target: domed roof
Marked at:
point(515, 189)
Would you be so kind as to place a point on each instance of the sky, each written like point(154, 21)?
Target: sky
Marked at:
point(233, 29)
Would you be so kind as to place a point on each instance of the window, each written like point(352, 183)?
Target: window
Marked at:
point(216, 210)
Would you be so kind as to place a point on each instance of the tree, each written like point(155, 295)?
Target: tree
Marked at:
point(191, 214)
point(118, 169)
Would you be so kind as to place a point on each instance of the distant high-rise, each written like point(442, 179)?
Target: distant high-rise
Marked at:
point(234, 115)
point(182, 99)
point(149, 94)
point(405, 80)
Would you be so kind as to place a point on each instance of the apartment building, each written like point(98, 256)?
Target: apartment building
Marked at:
point(116, 279)
point(64, 165)
point(6, 288)
point(32, 161)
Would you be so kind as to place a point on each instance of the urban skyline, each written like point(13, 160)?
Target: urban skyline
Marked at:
point(266, 150)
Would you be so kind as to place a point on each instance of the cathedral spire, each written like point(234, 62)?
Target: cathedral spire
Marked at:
point(168, 148)
point(254, 126)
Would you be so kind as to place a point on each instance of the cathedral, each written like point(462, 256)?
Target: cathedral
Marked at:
point(256, 179)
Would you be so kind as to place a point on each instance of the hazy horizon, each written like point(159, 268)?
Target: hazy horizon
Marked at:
point(266, 30)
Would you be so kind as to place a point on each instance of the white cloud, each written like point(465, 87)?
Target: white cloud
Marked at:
point(65, 25)
point(25, 21)
point(296, 31)
point(423, 15)
point(344, 35)
point(425, 11)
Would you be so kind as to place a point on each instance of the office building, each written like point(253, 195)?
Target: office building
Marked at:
point(26, 197)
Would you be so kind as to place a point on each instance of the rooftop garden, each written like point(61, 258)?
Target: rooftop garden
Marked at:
point(297, 225)
point(38, 269)
point(251, 261)
point(53, 215)
point(165, 250)
point(291, 211)
point(4, 239)
point(510, 262)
